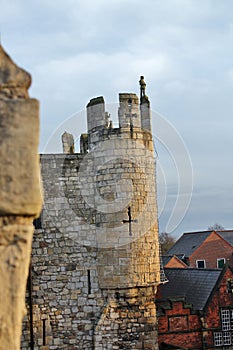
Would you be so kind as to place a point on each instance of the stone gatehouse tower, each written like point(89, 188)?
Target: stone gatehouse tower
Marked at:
point(95, 260)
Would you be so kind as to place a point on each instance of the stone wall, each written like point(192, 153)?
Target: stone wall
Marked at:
point(20, 195)
point(128, 321)
point(95, 261)
point(65, 292)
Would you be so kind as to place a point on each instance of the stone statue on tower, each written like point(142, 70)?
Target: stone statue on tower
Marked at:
point(142, 87)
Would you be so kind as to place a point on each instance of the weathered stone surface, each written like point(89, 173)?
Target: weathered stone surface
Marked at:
point(68, 143)
point(20, 192)
point(15, 250)
point(20, 195)
point(95, 276)
point(14, 81)
point(128, 321)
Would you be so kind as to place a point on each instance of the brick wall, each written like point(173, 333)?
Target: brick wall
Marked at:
point(178, 326)
point(213, 248)
point(181, 326)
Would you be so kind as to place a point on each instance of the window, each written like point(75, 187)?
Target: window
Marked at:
point(218, 338)
point(231, 318)
point(225, 337)
point(89, 281)
point(220, 263)
point(200, 264)
point(230, 285)
point(226, 321)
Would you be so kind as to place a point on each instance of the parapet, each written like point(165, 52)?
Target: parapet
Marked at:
point(129, 114)
point(133, 114)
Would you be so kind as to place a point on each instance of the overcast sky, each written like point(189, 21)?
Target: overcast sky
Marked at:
point(76, 50)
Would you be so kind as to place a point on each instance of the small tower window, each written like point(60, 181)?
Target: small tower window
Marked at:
point(89, 281)
point(130, 102)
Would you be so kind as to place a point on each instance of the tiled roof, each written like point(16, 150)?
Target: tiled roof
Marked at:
point(227, 235)
point(195, 285)
point(166, 258)
point(188, 243)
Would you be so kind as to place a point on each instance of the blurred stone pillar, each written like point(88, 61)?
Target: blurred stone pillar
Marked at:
point(68, 143)
point(20, 194)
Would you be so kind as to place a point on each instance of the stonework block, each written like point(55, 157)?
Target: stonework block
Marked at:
point(15, 250)
point(20, 192)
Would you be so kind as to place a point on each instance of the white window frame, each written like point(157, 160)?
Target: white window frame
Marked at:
point(203, 260)
point(231, 320)
point(226, 320)
point(218, 339)
point(225, 336)
point(219, 259)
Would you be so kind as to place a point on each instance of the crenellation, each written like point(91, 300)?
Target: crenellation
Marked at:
point(145, 114)
point(68, 143)
point(128, 112)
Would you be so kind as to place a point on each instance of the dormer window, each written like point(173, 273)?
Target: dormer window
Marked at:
point(220, 263)
point(200, 264)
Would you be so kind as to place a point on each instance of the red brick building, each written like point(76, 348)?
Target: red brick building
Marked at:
point(206, 249)
point(195, 309)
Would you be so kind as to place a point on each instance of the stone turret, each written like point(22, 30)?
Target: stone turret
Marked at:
point(100, 216)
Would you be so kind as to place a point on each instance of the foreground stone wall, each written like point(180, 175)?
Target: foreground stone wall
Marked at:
point(20, 195)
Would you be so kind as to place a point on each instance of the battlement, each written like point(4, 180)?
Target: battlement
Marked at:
point(96, 113)
point(128, 112)
point(132, 117)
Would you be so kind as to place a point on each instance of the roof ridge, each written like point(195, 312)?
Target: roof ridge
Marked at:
point(192, 268)
point(194, 232)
